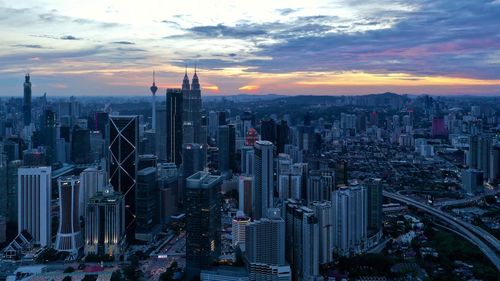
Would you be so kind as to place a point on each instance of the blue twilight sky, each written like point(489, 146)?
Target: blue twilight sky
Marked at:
point(99, 47)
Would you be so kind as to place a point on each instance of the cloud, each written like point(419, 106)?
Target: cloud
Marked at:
point(286, 11)
point(221, 30)
point(30, 46)
point(124, 43)
point(249, 88)
point(69, 37)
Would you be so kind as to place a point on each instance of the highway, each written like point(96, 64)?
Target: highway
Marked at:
point(488, 244)
point(467, 200)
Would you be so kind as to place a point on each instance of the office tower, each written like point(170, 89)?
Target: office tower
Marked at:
point(69, 237)
point(240, 221)
point(222, 118)
point(193, 156)
point(349, 219)
point(282, 136)
point(323, 211)
point(472, 181)
point(245, 194)
point(175, 100)
point(48, 133)
point(146, 204)
point(123, 135)
point(3, 185)
point(12, 190)
point(213, 123)
point(484, 153)
point(34, 198)
point(320, 185)
point(161, 132)
point(168, 189)
point(302, 232)
point(80, 146)
point(268, 130)
point(92, 180)
point(223, 145)
point(247, 160)
point(438, 128)
point(232, 147)
point(265, 248)
point(341, 177)
point(188, 132)
point(203, 214)
point(3, 229)
point(105, 223)
point(495, 164)
point(27, 101)
point(147, 160)
point(192, 105)
point(263, 193)
point(153, 90)
point(101, 121)
point(35, 157)
point(374, 201)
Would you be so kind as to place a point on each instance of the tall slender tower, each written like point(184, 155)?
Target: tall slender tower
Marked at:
point(195, 100)
point(153, 89)
point(27, 100)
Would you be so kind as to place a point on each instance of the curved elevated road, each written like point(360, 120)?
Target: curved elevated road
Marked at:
point(486, 242)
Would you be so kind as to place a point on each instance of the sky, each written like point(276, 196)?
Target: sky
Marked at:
point(103, 47)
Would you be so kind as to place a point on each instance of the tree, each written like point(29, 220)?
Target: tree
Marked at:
point(67, 278)
point(116, 275)
point(69, 269)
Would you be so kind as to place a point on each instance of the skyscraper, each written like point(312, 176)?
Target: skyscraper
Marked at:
point(349, 219)
point(34, 198)
point(374, 201)
point(153, 90)
point(323, 211)
point(105, 227)
point(92, 180)
point(265, 248)
point(161, 132)
point(263, 193)
point(27, 101)
point(203, 242)
point(146, 200)
point(69, 237)
point(192, 106)
point(122, 162)
point(223, 145)
point(175, 100)
point(240, 221)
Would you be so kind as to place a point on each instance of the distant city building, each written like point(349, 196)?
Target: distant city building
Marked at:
point(105, 223)
point(263, 192)
point(323, 211)
point(374, 205)
point(320, 185)
point(69, 238)
point(203, 214)
point(245, 187)
point(92, 180)
point(34, 201)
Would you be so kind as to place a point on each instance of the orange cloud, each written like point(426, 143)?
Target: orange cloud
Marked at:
point(249, 88)
point(213, 88)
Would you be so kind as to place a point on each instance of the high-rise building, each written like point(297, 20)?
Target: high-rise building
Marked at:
point(240, 221)
point(265, 248)
point(69, 238)
point(302, 232)
point(472, 181)
point(349, 219)
point(168, 189)
point(27, 101)
point(494, 164)
point(213, 123)
point(203, 214)
point(146, 204)
point(263, 193)
point(80, 146)
point(223, 145)
point(161, 132)
point(34, 198)
point(320, 185)
point(374, 201)
point(484, 153)
point(323, 211)
point(268, 130)
point(245, 186)
point(175, 101)
point(194, 159)
point(192, 105)
point(247, 160)
point(12, 190)
point(282, 136)
point(92, 180)
point(122, 162)
point(105, 227)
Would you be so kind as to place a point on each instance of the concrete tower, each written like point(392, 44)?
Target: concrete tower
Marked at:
point(153, 89)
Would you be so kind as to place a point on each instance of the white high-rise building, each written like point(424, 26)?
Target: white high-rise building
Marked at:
point(264, 179)
point(239, 224)
point(92, 180)
point(69, 236)
point(350, 221)
point(34, 198)
point(323, 211)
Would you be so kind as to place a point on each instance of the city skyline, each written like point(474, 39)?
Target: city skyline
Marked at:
point(318, 47)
